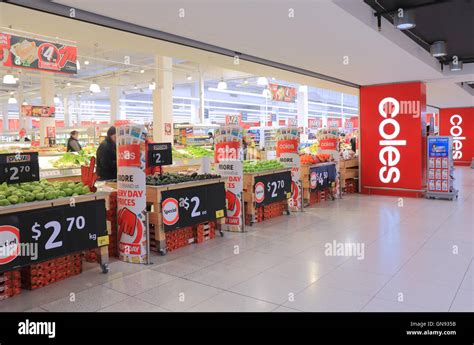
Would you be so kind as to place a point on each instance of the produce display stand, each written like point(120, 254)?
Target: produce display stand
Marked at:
point(253, 213)
point(310, 196)
point(155, 218)
point(349, 170)
point(59, 233)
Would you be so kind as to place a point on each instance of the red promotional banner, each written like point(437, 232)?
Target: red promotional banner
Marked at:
point(51, 132)
point(392, 146)
point(459, 123)
point(23, 52)
point(351, 123)
point(226, 150)
point(334, 122)
point(38, 111)
point(129, 155)
point(286, 146)
point(328, 144)
point(315, 123)
point(233, 119)
point(282, 93)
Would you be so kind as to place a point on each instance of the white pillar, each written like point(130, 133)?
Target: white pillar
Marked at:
point(5, 116)
point(302, 104)
point(67, 113)
point(114, 96)
point(163, 99)
point(201, 98)
point(196, 114)
point(47, 98)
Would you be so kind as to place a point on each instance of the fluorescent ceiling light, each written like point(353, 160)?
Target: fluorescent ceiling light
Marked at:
point(12, 100)
point(404, 21)
point(246, 81)
point(9, 79)
point(222, 85)
point(24, 103)
point(262, 81)
point(188, 77)
point(68, 84)
point(86, 62)
point(94, 88)
point(142, 71)
point(438, 49)
point(152, 86)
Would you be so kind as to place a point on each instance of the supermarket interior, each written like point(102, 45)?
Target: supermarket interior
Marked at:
point(154, 158)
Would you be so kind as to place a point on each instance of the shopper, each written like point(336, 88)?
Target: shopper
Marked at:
point(73, 144)
point(107, 157)
point(211, 138)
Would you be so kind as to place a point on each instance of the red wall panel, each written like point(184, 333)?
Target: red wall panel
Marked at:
point(459, 123)
point(392, 142)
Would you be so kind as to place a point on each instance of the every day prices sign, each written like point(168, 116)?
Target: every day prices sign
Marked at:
point(131, 193)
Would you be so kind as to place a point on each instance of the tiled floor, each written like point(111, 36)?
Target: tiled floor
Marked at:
point(418, 257)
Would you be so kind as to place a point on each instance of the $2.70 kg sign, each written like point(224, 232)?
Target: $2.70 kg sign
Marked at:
point(55, 231)
point(271, 188)
point(19, 167)
point(191, 206)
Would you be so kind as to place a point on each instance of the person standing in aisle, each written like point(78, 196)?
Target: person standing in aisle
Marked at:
point(107, 157)
point(73, 142)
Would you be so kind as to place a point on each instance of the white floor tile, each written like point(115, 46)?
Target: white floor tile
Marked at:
point(139, 282)
point(231, 302)
point(132, 304)
point(222, 276)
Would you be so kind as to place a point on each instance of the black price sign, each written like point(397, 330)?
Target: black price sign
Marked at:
point(19, 167)
point(191, 206)
point(159, 154)
point(29, 237)
point(272, 188)
point(321, 177)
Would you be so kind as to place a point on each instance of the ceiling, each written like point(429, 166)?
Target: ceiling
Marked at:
point(320, 36)
point(452, 22)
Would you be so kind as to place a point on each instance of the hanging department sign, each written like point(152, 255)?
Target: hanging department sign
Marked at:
point(23, 52)
point(131, 193)
point(38, 111)
point(232, 171)
point(287, 153)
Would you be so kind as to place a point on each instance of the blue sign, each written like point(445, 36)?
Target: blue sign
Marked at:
point(438, 147)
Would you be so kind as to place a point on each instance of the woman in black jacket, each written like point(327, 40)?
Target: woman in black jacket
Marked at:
point(73, 142)
point(106, 157)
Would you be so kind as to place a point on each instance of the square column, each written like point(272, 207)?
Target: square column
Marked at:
point(163, 100)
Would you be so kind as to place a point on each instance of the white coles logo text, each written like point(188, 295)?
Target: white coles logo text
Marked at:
point(456, 132)
point(389, 129)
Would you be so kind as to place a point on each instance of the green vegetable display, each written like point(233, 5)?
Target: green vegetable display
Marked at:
point(192, 152)
point(258, 166)
point(75, 159)
point(37, 191)
point(169, 178)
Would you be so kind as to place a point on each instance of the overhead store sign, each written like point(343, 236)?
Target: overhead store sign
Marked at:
point(38, 111)
point(391, 138)
point(351, 123)
point(334, 122)
point(459, 123)
point(282, 93)
point(23, 52)
point(315, 123)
